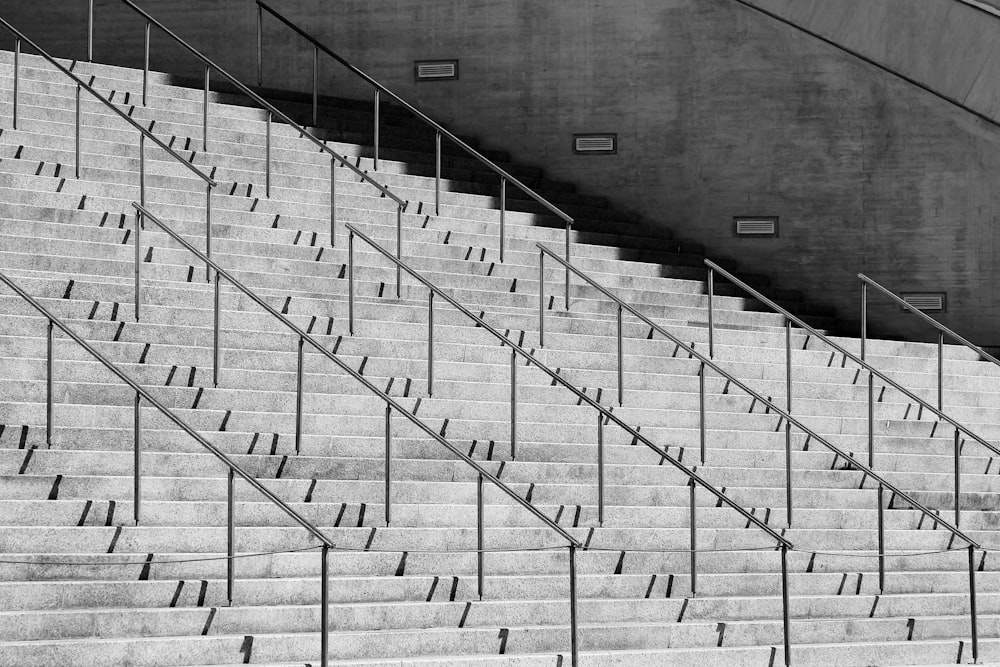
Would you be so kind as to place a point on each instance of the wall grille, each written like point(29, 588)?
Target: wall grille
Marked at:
point(435, 70)
point(757, 226)
point(930, 302)
point(606, 144)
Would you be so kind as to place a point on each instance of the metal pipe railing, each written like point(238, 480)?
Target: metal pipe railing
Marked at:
point(439, 130)
point(872, 373)
point(391, 405)
point(234, 469)
point(272, 112)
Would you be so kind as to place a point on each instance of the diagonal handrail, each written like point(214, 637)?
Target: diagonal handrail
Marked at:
point(872, 373)
point(440, 130)
point(234, 468)
point(709, 363)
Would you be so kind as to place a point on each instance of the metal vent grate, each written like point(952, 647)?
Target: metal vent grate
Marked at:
point(933, 302)
point(757, 226)
point(595, 143)
point(435, 70)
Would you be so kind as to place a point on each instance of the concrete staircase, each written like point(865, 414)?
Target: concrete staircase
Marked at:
point(406, 594)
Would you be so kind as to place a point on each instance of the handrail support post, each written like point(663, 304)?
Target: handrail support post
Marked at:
point(298, 394)
point(694, 540)
point(574, 643)
point(972, 604)
point(788, 424)
point(231, 538)
point(377, 104)
point(138, 264)
point(513, 404)
point(90, 31)
point(430, 343)
point(145, 64)
point(324, 601)
point(503, 215)
point(267, 156)
point(204, 129)
point(711, 314)
point(785, 607)
point(78, 160)
point(388, 464)
point(315, 82)
point(600, 469)
point(437, 173)
point(350, 283)
point(541, 298)
point(480, 537)
point(49, 371)
point(137, 459)
point(701, 412)
point(17, 70)
point(621, 360)
point(399, 250)
point(216, 330)
point(333, 202)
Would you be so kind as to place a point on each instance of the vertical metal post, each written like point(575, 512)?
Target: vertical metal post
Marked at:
point(17, 69)
point(711, 314)
point(940, 377)
point(142, 168)
point(958, 477)
point(785, 612)
point(267, 156)
point(541, 298)
point(215, 332)
point(138, 263)
point(600, 468)
point(260, 46)
point(298, 396)
point(324, 601)
point(437, 173)
point(145, 64)
point(78, 130)
point(972, 604)
point(864, 318)
point(701, 410)
point(480, 541)
point(569, 226)
point(399, 250)
point(208, 229)
point(350, 283)
point(513, 404)
point(694, 543)
point(574, 648)
point(881, 538)
point(204, 138)
point(137, 460)
point(430, 343)
point(788, 424)
point(503, 214)
point(871, 418)
point(90, 31)
point(377, 104)
point(315, 86)
point(388, 463)
point(333, 202)
point(621, 360)
point(231, 537)
point(49, 362)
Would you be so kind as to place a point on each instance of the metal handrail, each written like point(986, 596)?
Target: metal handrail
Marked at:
point(872, 373)
point(505, 176)
point(390, 405)
point(271, 111)
point(144, 134)
point(235, 470)
point(926, 318)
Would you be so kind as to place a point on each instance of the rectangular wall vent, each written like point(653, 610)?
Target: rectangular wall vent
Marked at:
point(759, 226)
point(435, 70)
point(606, 144)
point(930, 302)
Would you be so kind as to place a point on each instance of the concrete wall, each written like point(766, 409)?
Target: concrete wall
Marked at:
point(719, 111)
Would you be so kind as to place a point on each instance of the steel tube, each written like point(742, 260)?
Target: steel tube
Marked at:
point(138, 264)
point(377, 101)
point(136, 460)
point(260, 46)
point(208, 228)
point(864, 318)
point(216, 330)
point(350, 283)
point(940, 378)
point(701, 411)
point(145, 65)
point(881, 538)
point(788, 424)
point(324, 611)
point(569, 226)
point(333, 203)
point(142, 169)
point(958, 478)
point(711, 314)
point(513, 404)
point(541, 299)
point(437, 173)
point(694, 542)
point(17, 69)
point(204, 138)
point(78, 131)
point(480, 538)
point(298, 396)
point(315, 86)
point(231, 537)
point(430, 342)
point(49, 363)
point(90, 31)
point(574, 644)
point(600, 469)
point(871, 419)
point(972, 604)
point(388, 463)
point(621, 360)
point(267, 156)
point(399, 250)
point(503, 214)
point(785, 611)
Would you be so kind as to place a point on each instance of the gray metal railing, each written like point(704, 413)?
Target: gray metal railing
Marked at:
point(942, 331)
point(872, 374)
point(391, 406)
point(604, 415)
point(144, 133)
point(272, 112)
point(235, 470)
point(439, 130)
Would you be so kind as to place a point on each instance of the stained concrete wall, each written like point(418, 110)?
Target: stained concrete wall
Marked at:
point(720, 112)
